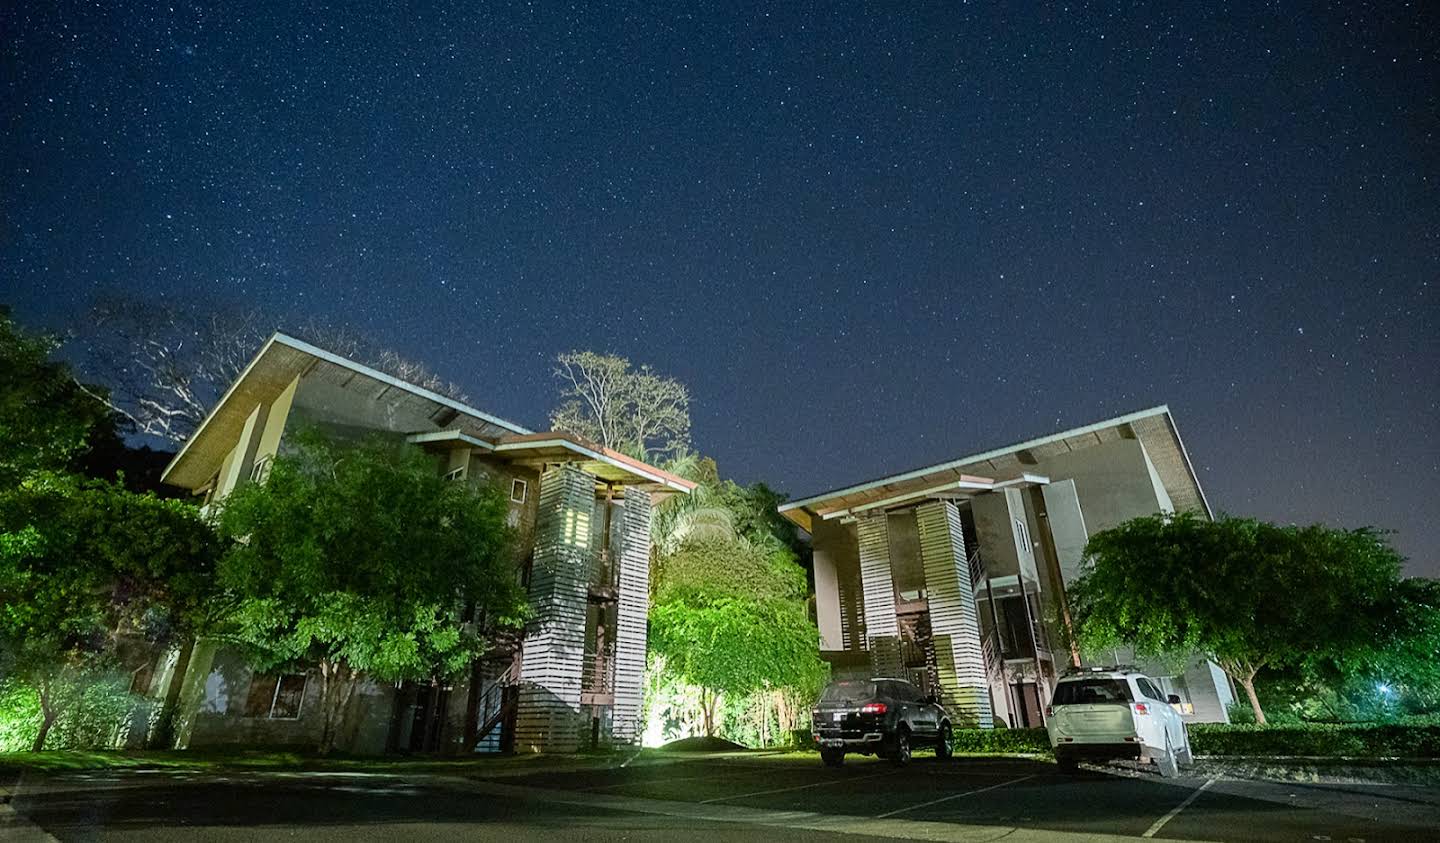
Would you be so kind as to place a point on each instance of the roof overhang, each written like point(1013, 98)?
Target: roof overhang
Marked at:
point(1155, 428)
point(282, 359)
point(606, 464)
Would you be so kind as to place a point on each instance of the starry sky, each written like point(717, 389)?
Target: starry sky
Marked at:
point(868, 236)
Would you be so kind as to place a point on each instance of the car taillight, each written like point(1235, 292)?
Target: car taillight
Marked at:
point(873, 708)
point(1141, 708)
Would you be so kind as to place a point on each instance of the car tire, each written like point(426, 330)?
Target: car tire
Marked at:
point(900, 748)
point(832, 757)
point(943, 749)
point(1165, 763)
point(1067, 764)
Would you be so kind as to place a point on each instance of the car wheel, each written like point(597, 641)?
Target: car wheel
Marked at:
point(943, 749)
point(1166, 763)
point(1066, 763)
point(900, 749)
point(832, 757)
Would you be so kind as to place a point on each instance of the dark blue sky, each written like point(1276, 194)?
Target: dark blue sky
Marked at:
point(868, 237)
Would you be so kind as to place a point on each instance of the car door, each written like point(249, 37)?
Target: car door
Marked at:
point(1164, 715)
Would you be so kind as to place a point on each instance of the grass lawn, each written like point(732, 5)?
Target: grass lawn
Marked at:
point(237, 759)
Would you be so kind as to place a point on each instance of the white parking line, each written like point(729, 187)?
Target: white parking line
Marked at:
point(1175, 812)
point(788, 789)
point(951, 796)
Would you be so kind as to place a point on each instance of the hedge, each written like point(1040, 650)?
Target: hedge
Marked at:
point(1359, 740)
point(1001, 740)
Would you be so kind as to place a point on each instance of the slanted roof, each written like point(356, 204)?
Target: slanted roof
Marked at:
point(604, 463)
point(1155, 428)
point(282, 358)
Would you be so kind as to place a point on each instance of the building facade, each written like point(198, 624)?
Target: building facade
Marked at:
point(575, 676)
point(955, 575)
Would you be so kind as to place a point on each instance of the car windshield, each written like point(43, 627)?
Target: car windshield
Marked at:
point(1086, 691)
point(850, 689)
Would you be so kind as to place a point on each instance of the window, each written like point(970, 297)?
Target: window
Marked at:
point(1150, 690)
point(518, 488)
point(1176, 685)
point(276, 697)
point(1092, 691)
point(849, 689)
point(455, 474)
point(261, 471)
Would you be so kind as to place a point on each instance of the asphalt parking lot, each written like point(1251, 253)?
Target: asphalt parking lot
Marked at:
point(870, 796)
point(774, 797)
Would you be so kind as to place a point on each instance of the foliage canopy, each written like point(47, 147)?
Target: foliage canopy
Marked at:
point(86, 565)
point(361, 559)
point(1248, 594)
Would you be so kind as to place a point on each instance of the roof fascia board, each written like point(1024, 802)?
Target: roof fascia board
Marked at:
point(1189, 466)
point(592, 454)
point(448, 436)
point(981, 457)
point(909, 496)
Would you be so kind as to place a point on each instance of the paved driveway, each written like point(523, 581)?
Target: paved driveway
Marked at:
point(777, 798)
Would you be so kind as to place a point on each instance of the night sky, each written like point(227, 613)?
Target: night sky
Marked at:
point(867, 238)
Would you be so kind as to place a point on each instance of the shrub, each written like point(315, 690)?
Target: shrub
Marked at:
point(1001, 740)
point(1410, 740)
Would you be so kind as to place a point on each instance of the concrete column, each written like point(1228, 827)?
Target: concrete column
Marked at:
point(877, 583)
point(242, 459)
point(554, 646)
point(632, 611)
point(954, 617)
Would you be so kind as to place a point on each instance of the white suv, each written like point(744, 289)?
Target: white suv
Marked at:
point(1101, 714)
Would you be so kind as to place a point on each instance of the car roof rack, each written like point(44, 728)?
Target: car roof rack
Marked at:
point(1099, 668)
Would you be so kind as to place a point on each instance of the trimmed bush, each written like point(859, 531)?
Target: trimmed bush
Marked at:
point(1368, 740)
point(1001, 740)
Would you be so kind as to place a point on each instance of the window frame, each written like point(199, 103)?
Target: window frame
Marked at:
point(277, 681)
point(524, 489)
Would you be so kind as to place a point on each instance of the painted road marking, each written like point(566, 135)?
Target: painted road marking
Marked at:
point(1175, 812)
point(796, 787)
point(951, 796)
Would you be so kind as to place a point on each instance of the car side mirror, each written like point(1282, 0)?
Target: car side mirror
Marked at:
point(1173, 699)
point(930, 700)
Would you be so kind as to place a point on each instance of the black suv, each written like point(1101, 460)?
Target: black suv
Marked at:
point(884, 717)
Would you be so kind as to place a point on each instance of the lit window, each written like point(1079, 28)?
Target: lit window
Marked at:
point(518, 488)
point(275, 697)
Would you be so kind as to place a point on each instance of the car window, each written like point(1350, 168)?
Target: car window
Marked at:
point(905, 692)
point(1090, 691)
point(849, 689)
point(1148, 689)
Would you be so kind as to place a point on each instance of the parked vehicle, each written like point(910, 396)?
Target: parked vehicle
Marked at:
point(1107, 713)
point(884, 717)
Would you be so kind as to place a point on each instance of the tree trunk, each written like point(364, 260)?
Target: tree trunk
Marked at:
point(1248, 683)
point(707, 712)
point(337, 684)
point(48, 716)
point(45, 724)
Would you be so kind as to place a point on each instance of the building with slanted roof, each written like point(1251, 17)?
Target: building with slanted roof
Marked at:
point(954, 575)
point(583, 511)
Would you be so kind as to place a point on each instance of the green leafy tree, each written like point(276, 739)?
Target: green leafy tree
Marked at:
point(48, 421)
point(1251, 596)
point(86, 565)
point(362, 561)
point(730, 617)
